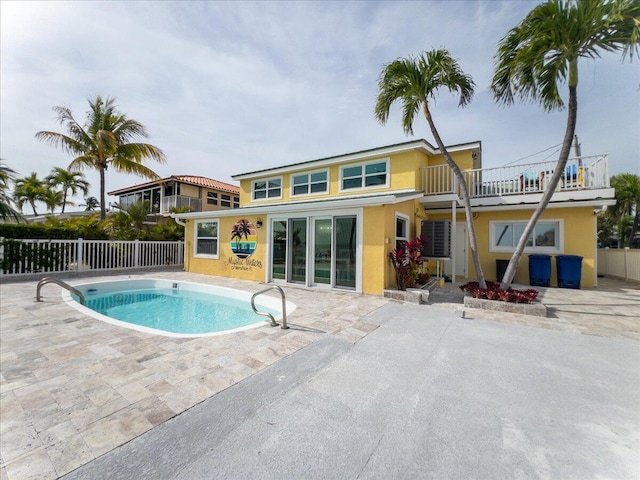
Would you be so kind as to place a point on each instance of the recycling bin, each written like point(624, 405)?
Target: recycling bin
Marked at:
point(540, 270)
point(569, 270)
point(501, 268)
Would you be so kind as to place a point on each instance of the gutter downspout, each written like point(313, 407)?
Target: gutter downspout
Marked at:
point(184, 224)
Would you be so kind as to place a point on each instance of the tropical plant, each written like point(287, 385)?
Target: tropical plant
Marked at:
point(7, 175)
point(493, 292)
point(407, 262)
point(29, 190)
point(413, 82)
point(73, 182)
point(542, 52)
point(103, 142)
point(90, 204)
point(129, 224)
point(52, 199)
point(627, 188)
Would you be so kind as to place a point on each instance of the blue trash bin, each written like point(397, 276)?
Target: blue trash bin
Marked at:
point(540, 270)
point(569, 270)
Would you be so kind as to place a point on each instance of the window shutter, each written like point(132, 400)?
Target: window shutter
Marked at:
point(438, 235)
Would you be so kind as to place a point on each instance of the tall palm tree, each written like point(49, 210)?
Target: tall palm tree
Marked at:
point(7, 175)
point(69, 181)
point(103, 142)
point(29, 190)
point(52, 199)
point(542, 52)
point(627, 188)
point(413, 82)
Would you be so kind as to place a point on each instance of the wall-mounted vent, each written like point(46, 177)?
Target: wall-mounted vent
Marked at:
point(438, 235)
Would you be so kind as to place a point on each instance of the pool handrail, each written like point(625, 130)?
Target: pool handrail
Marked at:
point(59, 282)
point(266, 314)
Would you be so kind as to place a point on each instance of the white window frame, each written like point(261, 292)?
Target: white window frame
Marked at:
point(267, 197)
point(559, 248)
point(195, 239)
point(309, 183)
point(212, 198)
point(395, 228)
point(363, 176)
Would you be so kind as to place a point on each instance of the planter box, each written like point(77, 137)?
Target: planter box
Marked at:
point(535, 309)
point(414, 295)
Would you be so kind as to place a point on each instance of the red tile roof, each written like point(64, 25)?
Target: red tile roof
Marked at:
point(190, 179)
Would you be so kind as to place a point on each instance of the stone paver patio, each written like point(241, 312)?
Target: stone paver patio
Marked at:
point(73, 388)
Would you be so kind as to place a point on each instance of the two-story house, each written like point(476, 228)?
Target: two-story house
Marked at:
point(331, 222)
point(197, 194)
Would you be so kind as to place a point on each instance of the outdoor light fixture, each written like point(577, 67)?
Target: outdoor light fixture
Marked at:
point(259, 223)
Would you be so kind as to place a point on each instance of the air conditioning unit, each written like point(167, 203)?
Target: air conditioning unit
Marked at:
point(438, 235)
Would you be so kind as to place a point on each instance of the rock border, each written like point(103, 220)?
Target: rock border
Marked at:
point(535, 309)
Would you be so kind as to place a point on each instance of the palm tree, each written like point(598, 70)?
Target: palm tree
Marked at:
point(542, 52)
point(69, 181)
point(7, 175)
point(413, 82)
point(90, 204)
point(103, 142)
point(236, 233)
point(53, 198)
point(29, 190)
point(627, 188)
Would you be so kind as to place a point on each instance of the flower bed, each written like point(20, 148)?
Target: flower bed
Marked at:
point(494, 292)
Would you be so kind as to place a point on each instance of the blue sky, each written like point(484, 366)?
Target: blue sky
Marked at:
point(226, 88)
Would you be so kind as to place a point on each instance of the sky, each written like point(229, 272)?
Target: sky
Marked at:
point(225, 88)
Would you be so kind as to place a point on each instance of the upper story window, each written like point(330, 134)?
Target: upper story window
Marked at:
point(265, 189)
point(225, 200)
point(206, 241)
point(212, 198)
point(236, 202)
point(546, 237)
point(365, 175)
point(310, 183)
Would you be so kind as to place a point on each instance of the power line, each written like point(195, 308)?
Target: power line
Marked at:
point(534, 154)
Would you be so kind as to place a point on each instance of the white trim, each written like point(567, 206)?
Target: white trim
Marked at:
point(420, 145)
point(529, 206)
point(363, 175)
point(306, 206)
point(292, 193)
point(267, 197)
point(558, 249)
point(395, 227)
point(215, 256)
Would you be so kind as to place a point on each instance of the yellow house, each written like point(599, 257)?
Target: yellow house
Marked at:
point(331, 222)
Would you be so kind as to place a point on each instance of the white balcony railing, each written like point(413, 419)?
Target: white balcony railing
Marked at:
point(582, 173)
point(180, 201)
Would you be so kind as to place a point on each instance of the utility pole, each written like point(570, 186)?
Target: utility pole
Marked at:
point(577, 146)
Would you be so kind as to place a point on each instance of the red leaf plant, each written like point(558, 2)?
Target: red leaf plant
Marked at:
point(407, 261)
point(494, 292)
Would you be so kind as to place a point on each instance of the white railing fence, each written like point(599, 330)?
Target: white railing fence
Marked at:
point(22, 257)
point(580, 173)
point(619, 262)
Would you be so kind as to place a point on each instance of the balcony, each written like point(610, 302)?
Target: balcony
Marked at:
point(515, 181)
point(180, 201)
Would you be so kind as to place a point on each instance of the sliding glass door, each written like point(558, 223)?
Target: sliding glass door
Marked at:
point(315, 251)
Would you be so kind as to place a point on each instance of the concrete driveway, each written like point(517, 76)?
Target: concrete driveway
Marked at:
point(425, 395)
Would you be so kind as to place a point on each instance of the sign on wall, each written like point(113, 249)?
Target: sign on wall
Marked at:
point(243, 238)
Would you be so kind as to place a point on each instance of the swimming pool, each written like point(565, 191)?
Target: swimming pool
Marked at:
point(175, 309)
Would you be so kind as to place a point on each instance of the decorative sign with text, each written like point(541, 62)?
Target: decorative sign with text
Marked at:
point(243, 243)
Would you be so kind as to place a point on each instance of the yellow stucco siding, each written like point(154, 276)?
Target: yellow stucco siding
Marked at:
point(379, 232)
point(579, 238)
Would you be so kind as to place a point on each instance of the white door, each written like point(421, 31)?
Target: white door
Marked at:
point(462, 241)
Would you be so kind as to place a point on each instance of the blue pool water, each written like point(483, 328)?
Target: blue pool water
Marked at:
point(157, 306)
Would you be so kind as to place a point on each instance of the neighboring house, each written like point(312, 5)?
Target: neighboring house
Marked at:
point(330, 223)
point(198, 194)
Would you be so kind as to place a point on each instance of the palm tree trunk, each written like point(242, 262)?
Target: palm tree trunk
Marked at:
point(64, 201)
point(550, 189)
point(103, 211)
point(465, 196)
point(33, 206)
point(634, 228)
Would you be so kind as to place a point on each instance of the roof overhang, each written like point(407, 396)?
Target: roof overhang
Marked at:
point(419, 145)
point(308, 206)
point(596, 203)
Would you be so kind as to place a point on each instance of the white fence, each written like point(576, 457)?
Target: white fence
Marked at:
point(619, 262)
point(23, 257)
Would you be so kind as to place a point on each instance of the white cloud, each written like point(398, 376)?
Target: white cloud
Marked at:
point(230, 87)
